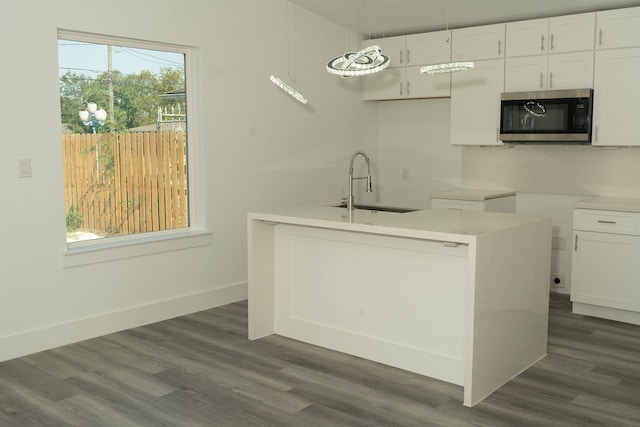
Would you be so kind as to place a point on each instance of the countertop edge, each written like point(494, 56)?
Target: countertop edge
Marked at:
point(620, 204)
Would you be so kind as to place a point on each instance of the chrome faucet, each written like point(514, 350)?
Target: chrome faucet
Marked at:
point(350, 200)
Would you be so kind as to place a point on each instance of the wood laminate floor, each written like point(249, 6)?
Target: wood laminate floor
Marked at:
point(200, 370)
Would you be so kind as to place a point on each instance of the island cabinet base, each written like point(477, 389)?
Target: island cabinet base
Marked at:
point(392, 300)
point(460, 296)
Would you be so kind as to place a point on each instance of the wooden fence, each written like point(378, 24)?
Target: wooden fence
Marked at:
point(126, 183)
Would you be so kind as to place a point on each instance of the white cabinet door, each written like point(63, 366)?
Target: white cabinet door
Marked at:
point(618, 28)
point(527, 37)
point(393, 47)
point(428, 48)
point(605, 270)
point(387, 84)
point(572, 33)
point(420, 85)
point(540, 72)
point(525, 73)
point(475, 43)
point(400, 81)
point(617, 90)
point(405, 83)
point(570, 70)
point(475, 104)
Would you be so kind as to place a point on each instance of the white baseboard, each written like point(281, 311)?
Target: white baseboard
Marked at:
point(52, 336)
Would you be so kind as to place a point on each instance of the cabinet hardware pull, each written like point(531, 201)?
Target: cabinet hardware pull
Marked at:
point(497, 134)
point(401, 87)
point(600, 37)
point(408, 56)
point(601, 221)
point(408, 85)
point(541, 80)
point(550, 80)
point(575, 244)
point(451, 244)
point(595, 137)
point(499, 47)
point(401, 56)
point(551, 42)
point(542, 43)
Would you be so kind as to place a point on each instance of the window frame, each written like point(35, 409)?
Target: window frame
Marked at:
point(196, 234)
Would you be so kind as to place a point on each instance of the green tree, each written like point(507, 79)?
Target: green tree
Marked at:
point(136, 96)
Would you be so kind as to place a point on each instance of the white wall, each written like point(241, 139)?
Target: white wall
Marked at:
point(556, 169)
point(414, 135)
point(259, 148)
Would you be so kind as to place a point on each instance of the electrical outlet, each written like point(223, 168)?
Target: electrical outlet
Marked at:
point(404, 174)
point(557, 281)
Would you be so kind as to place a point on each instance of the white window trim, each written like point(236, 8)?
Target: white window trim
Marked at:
point(196, 235)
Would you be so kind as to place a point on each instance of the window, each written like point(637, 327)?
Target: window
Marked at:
point(124, 136)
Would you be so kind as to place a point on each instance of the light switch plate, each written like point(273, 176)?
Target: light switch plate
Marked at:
point(24, 168)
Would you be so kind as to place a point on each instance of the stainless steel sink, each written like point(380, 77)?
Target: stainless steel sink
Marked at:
point(378, 208)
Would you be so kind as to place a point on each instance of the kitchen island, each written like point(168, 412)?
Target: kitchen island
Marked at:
point(455, 295)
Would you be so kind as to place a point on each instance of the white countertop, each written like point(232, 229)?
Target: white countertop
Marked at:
point(622, 204)
point(471, 194)
point(432, 224)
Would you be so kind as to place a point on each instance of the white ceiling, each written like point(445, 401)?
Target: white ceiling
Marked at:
point(377, 18)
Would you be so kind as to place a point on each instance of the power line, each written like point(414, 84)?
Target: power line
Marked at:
point(144, 56)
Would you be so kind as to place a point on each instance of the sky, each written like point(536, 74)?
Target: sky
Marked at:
point(92, 59)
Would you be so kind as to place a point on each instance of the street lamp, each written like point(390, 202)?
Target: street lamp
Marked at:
point(94, 117)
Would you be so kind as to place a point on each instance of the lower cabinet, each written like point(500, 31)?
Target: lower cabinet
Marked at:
point(605, 267)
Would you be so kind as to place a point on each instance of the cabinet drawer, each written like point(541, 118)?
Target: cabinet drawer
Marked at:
point(463, 205)
point(607, 221)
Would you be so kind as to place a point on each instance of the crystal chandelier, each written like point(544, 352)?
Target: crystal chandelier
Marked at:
point(288, 89)
point(352, 64)
point(447, 67)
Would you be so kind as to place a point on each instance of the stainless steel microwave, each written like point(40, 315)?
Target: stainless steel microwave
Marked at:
point(560, 116)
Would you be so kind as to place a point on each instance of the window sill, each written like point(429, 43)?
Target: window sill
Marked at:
point(115, 248)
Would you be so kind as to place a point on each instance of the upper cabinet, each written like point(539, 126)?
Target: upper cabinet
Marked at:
point(542, 72)
point(475, 104)
point(394, 47)
point(526, 38)
point(618, 28)
point(476, 43)
point(402, 79)
point(616, 89)
point(550, 53)
point(572, 33)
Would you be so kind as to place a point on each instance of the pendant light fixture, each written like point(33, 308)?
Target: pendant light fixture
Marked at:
point(288, 89)
point(367, 61)
point(447, 67)
point(364, 62)
point(278, 81)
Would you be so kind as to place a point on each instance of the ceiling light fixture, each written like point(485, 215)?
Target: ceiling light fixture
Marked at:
point(288, 89)
point(278, 81)
point(447, 67)
point(361, 63)
point(352, 64)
